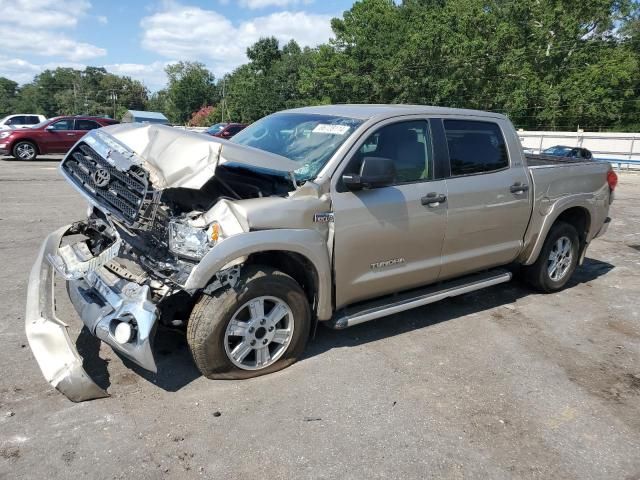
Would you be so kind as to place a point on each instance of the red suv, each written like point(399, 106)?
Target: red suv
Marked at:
point(56, 135)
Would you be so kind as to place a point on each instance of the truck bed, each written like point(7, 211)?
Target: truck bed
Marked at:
point(535, 160)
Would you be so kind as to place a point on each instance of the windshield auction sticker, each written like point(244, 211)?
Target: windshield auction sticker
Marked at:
point(331, 129)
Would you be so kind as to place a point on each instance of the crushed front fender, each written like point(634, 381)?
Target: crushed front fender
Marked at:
point(48, 336)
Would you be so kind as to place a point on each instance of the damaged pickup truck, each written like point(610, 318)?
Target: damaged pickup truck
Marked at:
point(333, 214)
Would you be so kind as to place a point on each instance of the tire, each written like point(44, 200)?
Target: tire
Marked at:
point(211, 337)
point(25, 151)
point(555, 252)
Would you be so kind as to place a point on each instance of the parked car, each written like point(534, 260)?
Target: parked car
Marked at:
point(567, 152)
point(20, 120)
point(56, 135)
point(225, 130)
point(334, 214)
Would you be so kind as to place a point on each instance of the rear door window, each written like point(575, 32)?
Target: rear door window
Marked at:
point(234, 130)
point(475, 147)
point(86, 125)
point(32, 120)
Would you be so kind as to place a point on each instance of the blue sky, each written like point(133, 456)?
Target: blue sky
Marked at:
point(139, 38)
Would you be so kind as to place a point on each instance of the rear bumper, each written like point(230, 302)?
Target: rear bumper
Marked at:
point(102, 300)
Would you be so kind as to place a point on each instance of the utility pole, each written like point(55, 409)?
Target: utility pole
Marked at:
point(224, 83)
point(114, 98)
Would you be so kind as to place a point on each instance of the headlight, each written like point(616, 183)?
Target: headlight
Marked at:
point(191, 242)
point(5, 134)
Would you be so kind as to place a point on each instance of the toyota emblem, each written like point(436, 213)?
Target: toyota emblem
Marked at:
point(101, 177)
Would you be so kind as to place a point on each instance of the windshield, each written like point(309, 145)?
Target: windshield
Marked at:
point(561, 151)
point(216, 128)
point(305, 138)
point(40, 125)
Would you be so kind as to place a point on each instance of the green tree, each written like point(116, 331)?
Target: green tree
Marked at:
point(8, 94)
point(191, 86)
point(93, 91)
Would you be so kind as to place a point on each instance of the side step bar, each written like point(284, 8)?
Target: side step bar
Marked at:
point(416, 298)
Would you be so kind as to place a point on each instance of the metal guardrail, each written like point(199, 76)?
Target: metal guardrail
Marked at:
point(616, 148)
point(619, 162)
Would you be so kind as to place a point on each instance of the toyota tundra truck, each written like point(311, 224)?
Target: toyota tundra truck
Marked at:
point(332, 214)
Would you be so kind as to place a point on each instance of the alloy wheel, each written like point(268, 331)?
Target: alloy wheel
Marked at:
point(560, 259)
point(259, 333)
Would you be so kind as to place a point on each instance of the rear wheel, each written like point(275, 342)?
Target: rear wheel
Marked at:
point(557, 260)
point(260, 328)
point(25, 151)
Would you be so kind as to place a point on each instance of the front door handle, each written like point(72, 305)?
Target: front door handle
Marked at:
point(518, 188)
point(433, 199)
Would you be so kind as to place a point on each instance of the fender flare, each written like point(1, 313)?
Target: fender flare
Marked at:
point(584, 201)
point(309, 243)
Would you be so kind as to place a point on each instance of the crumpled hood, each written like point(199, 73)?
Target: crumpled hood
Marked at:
point(179, 158)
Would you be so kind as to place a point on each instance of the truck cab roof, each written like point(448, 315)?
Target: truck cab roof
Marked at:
point(368, 111)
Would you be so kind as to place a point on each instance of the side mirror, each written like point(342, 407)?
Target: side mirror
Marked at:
point(49, 127)
point(374, 172)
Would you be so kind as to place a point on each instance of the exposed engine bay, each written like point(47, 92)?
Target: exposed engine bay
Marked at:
point(160, 233)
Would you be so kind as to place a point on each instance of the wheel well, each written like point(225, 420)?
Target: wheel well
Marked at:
point(28, 140)
point(578, 217)
point(293, 264)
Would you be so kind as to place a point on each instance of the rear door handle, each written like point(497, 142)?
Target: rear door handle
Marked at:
point(518, 188)
point(433, 199)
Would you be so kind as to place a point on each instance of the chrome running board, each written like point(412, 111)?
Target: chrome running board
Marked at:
point(352, 315)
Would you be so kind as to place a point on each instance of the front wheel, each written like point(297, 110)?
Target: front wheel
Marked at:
point(25, 151)
point(557, 260)
point(260, 328)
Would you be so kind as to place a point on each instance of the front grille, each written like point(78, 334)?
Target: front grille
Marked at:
point(124, 194)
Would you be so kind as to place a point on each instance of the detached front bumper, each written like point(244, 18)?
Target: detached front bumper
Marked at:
point(103, 301)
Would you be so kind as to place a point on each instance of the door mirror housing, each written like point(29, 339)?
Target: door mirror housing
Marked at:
point(49, 127)
point(374, 172)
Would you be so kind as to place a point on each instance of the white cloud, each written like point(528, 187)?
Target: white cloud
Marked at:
point(102, 19)
point(17, 69)
point(193, 33)
point(22, 71)
point(152, 74)
point(255, 4)
point(48, 14)
point(48, 44)
point(36, 26)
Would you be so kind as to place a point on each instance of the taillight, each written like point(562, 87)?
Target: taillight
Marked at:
point(612, 180)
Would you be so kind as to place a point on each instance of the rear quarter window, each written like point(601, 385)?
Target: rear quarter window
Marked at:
point(475, 147)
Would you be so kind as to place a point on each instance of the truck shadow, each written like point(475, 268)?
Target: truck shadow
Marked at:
point(176, 368)
point(173, 359)
point(422, 317)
